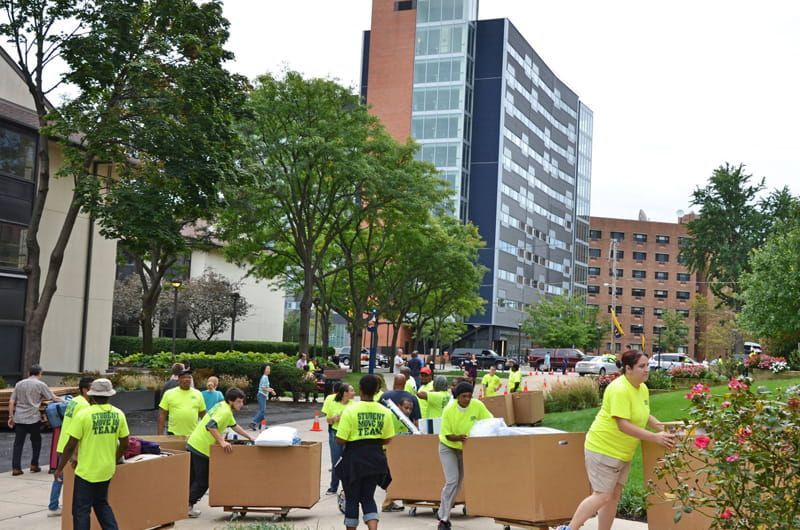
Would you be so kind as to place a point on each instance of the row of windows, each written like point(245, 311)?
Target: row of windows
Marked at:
point(437, 10)
point(595, 234)
point(440, 155)
point(509, 276)
point(533, 99)
point(440, 40)
point(532, 72)
point(439, 70)
point(639, 274)
point(530, 177)
point(640, 293)
point(550, 165)
point(639, 311)
point(18, 153)
point(525, 200)
point(437, 98)
point(636, 255)
point(13, 251)
point(436, 127)
point(542, 134)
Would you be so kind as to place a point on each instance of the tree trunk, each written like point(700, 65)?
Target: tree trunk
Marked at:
point(395, 336)
point(305, 308)
point(325, 326)
point(356, 343)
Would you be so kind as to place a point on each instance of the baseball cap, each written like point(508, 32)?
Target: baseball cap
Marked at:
point(425, 370)
point(101, 387)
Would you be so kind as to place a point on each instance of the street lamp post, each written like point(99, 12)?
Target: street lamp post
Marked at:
point(372, 328)
point(316, 322)
point(175, 284)
point(235, 297)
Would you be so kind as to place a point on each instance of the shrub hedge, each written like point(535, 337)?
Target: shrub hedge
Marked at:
point(129, 345)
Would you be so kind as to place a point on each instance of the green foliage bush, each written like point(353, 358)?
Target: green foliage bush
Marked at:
point(633, 503)
point(3, 383)
point(129, 345)
point(576, 395)
point(659, 379)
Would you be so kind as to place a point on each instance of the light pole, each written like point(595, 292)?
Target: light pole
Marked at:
point(175, 284)
point(235, 297)
point(372, 328)
point(316, 321)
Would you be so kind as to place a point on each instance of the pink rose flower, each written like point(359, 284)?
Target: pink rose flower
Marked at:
point(702, 441)
point(736, 385)
point(727, 513)
point(732, 458)
point(725, 404)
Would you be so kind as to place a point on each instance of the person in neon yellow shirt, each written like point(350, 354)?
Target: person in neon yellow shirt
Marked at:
point(457, 420)
point(515, 379)
point(102, 431)
point(491, 382)
point(411, 385)
point(207, 433)
point(183, 406)
point(426, 386)
point(333, 407)
point(435, 399)
point(364, 428)
point(73, 408)
point(613, 439)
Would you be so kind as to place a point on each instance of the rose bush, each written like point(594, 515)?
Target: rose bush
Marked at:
point(767, 362)
point(738, 462)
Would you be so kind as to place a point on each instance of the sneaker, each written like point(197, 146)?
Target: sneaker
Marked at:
point(54, 513)
point(253, 426)
point(330, 491)
point(444, 525)
point(193, 512)
point(394, 507)
point(35, 469)
point(17, 472)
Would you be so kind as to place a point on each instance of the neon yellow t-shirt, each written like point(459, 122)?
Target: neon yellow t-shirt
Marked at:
point(201, 439)
point(183, 407)
point(331, 407)
point(410, 387)
point(436, 403)
point(423, 403)
point(456, 420)
point(621, 400)
point(365, 420)
point(98, 427)
point(73, 408)
point(515, 378)
point(492, 383)
point(311, 366)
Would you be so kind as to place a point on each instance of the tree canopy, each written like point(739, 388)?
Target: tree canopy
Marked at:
point(562, 321)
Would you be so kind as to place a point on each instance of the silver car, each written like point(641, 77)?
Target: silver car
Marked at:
point(598, 365)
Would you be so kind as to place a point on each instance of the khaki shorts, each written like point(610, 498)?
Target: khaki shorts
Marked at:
point(605, 472)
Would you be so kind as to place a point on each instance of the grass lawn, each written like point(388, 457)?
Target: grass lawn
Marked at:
point(668, 406)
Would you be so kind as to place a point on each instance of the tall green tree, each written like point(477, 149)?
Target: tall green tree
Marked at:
point(674, 332)
point(734, 219)
point(152, 103)
point(771, 292)
point(562, 321)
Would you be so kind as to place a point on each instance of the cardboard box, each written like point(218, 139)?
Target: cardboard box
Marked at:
point(237, 479)
point(416, 469)
point(143, 495)
point(533, 478)
point(167, 443)
point(501, 407)
point(660, 512)
point(528, 407)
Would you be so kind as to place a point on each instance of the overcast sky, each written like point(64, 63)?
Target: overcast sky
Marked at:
point(676, 88)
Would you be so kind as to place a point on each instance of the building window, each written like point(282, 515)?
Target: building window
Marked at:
point(683, 241)
point(405, 5)
point(640, 238)
point(619, 291)
point(620, 254)
point(639, 274)
point(594, 271)
point(593, 289)
point(638, 293)
point(18, 153)
point(662, 239)
point(683, 312)
point(683, 295)
point(637, 310)
point(684, 277)
point(639, 256)
point(594, 252)
point(662, 258)
point(637, 328)
point(658, 311)
point(683, 260)
point(658, 329)
point(660, 293)
point(13, 251)
point(594, 235)
point(620, 272)
point(618, 236)
point(662, 275)
point(618, 310)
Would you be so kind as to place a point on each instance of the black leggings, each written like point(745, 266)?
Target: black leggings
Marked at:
point(198, 477)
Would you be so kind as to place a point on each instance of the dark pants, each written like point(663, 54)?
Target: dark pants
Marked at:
point(360, 492)
point(198, 477)
point(87, 495)
point(23, 430)
point(336, 453)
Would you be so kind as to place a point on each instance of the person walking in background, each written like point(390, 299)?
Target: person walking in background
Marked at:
point(445, 357)
point(457, 420)
point(207, 433)
point(212, 396)
point(102, 431)
point(172, 382)
point(565, 365)
point(546, 363)
point(613, 439)
point(514, 379)
point(365, 426)
point(264, 391)
point(471, 369)
point(399, 362)
point(333, 407)
point(491, 382)
point(415, 364)
point(182, 407)
point(74, 406)
point(26, 420)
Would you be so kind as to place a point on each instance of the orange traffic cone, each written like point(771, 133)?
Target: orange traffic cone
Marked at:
point(505, 392)
point(315, 427)
point(480, 393)
point(526, 387)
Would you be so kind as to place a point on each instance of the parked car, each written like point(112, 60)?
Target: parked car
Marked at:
point(485, 358)
point(750, 347)
point(665, 361)
point(557, 355)
point(598, 365)
point(342, 357)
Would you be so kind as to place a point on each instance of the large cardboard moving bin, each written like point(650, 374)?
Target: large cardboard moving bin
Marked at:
point(501, 407)
point(533, 478)
point(528, 407)
point(145, 494)
point(660, 512)
point(416, 469)
point(265, 477)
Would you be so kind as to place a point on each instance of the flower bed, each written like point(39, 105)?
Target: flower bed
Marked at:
point(763, 361)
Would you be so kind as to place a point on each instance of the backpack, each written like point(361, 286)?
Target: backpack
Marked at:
point(55, 412)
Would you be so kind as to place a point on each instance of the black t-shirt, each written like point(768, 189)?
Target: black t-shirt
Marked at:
point(471, 367)
point(398, 396)
point(415, 365)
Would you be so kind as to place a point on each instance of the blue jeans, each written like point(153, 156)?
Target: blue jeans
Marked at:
point(87, 495)
point(262, 409)
point(360, 492)
point(55, 490)
point(336, 453)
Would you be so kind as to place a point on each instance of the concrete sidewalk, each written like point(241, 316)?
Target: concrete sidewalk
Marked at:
point(23, 504)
